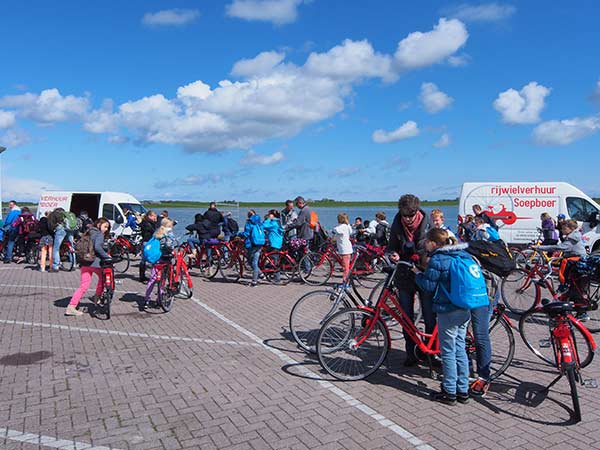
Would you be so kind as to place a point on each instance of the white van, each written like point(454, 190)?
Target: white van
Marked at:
point(517, 206)
point(111, 205)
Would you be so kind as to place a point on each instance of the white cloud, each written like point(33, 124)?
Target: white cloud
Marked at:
point(117, 140)
point(459, 60)
point(47, 107)
point(407, 130)
point(14, 138)
point(7, 119)
point(171, 17)
point(254, 159)
point(524, 106)
point(22, 189)
point(432, 99)
point(595, 97)
point(565, 132)
point(261, 64)
point(351, 60)
point(424, 49)
point(443, 141)
point(485, 12)
point(279, 12)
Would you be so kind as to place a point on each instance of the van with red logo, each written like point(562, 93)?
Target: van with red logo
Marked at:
point(516, 208)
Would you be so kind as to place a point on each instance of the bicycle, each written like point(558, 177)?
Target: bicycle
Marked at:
point(354, 342)
point(102, 309)
point(233, 258)
point(170, 281)
point(120, 253)
point(67, 256)
point(565, 353)
point(272, 262)
point(206, 256)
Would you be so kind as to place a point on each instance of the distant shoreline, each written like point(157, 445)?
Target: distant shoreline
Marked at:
point(321, 204)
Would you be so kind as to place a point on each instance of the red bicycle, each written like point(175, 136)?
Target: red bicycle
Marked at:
point(354, 342)
point(173, 278)
point(205, 256)
point(564, 346)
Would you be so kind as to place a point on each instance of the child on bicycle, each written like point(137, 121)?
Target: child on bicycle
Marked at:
point(168, 242)
point(452, 321)
point(274, 231)
point(342, 233)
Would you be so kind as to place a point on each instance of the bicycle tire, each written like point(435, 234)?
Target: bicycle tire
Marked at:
point(573, 377)
point(67, 261)
point(502, 340)
point(518, 292)
point(315, 268)
point(308, 315)
point(185, 291)
point(211, 266)
point(592, 322)
point(335, 349)
point(287, 268)
point(102, 310)
point(122, 259)
point(535, 331)
point(165, 295)
point(33, 254)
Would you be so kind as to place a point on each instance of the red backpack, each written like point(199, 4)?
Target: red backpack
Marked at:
point(25, 224)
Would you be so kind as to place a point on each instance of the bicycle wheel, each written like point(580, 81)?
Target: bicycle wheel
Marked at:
point(165, 295)
point(315, 268)
point(519, 292)
point(534, 328)
point(573, 377)
point(32, 254)
point(592, 322)
point(337, 347)
point(185, 287)
point(102, 309)
point(287, 268)
point(67, 261)
point(310, 312)
point(210, 266)
point(502, 340)
point(121, 257)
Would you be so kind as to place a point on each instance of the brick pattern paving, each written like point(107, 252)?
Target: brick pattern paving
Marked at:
point(147, 380)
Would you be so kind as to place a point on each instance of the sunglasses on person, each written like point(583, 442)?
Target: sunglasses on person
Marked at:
point(409, 215)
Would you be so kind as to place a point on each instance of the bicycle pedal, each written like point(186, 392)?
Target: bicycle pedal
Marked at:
point(545, 343)
point(590, 383)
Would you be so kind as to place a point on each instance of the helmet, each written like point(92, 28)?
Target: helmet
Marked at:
point(561, 216)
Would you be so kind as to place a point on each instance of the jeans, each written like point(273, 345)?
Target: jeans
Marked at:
point(11, 235)
point(275, 259)
point(455, 363)
point(406, 297)
point(480, 318)
point(253, 257)
point(84, 283)
point(59, 235)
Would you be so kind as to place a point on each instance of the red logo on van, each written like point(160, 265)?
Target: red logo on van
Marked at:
point(508, 217)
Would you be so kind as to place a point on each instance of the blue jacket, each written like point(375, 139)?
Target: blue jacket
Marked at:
point(274, 232)
point(11, 217)
point(252, 222)
point(438, 273)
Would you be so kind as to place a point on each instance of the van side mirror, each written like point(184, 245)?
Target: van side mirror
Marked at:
point(119, 219)
point(594, 219)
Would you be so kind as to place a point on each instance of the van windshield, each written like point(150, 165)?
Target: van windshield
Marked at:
point(135, 207)
point(580, 209)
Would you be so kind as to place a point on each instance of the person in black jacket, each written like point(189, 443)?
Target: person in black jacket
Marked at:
point(407, 243)
point(214, 218)
point(147, 227)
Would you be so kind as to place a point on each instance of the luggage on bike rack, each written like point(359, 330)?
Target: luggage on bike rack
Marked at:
point(493, 256)
point(589, 266)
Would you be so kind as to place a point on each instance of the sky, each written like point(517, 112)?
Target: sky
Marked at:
point(263, 100)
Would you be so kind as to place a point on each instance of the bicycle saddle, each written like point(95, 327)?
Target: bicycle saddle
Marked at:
point(106, 262)
point(557, 308)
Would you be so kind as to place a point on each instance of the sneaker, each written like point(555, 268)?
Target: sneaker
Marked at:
point(73, 311)
point(7, 261)
point(253, 284)
point(53, 270)
point(462, 398)
point(444, 397)
point(479, 387)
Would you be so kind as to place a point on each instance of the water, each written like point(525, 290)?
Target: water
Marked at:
point(327, 215)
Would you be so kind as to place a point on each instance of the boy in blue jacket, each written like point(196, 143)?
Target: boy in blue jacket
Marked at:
point(254, 239)
point(452, 321)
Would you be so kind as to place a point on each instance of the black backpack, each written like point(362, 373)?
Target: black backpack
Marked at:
point(84, 250)
point(232, 225)
point(493, 256)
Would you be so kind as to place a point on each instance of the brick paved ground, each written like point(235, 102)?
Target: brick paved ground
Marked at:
point(219, 372)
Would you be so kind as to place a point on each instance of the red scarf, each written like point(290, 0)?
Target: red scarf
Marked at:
point(411, 228)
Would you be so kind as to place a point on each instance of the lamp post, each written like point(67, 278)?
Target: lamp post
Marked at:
point(2, 149)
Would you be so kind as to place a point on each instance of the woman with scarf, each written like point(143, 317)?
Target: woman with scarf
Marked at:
point(407, 243)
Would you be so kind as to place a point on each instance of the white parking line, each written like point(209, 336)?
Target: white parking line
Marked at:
point(382, 420)
point(48, 441)
point(128, 333)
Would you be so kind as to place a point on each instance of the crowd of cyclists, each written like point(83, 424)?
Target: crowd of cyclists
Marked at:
point(415, 237)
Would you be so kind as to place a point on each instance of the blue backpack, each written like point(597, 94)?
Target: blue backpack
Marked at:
point(257, 235)
point(494, 235)
point(467, 284)
point(152, 251)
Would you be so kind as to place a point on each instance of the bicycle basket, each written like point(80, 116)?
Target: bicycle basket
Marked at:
point(589, 266)
point(297, 243)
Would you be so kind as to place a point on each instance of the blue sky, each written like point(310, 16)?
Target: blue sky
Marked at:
point(268, 99)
